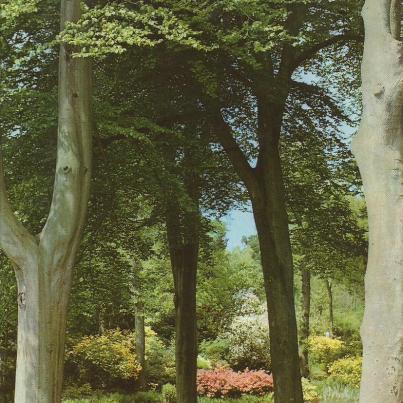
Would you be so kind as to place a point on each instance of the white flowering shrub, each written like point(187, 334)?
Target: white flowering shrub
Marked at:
point(248, 341)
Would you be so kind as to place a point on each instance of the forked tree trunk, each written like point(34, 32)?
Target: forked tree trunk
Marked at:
point(378, 148)
point(266, 189)
point(305, 323)
point(44, 264)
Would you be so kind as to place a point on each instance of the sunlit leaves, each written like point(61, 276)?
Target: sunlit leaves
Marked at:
point(112, 29)
point(10, 10)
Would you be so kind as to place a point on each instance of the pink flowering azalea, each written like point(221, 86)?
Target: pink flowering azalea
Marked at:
point(224, 382)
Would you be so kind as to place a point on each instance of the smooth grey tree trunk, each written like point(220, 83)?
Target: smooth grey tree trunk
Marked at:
point(44, 264)
point(378, 148)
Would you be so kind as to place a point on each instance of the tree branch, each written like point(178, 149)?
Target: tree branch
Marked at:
point(223, 133)
point(309, 53)
point(293, 25)
point(18, 244)
point(316, 91)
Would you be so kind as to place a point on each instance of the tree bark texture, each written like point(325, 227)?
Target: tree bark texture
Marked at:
point(272, 227)
point(378, 148)
point(305, 324)
point(265, 186)
point(331, 310)
point(44, 264)
point(183, 231)
point(140, 341)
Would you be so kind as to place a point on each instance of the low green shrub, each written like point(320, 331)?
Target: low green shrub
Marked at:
point(160, 360)
point(346, 371)
point(203, 363)
point(145, 397)
point(77, 391)
point(168, 393)
point(310, 391)
point(215, 351)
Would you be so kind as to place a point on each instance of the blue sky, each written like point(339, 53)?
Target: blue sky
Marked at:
point(239, 224)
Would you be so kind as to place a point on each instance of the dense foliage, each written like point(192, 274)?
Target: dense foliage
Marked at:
point(162, 70)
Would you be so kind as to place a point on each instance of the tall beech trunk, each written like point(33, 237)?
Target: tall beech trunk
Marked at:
point(378, 148)
point(265, 186)
point(186, 325)
point(305, 324)
point(183, 231)
point(272, 227)
point(44, 264)
point(329, 289)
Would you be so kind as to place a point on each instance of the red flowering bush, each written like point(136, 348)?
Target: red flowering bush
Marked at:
point(224, 382)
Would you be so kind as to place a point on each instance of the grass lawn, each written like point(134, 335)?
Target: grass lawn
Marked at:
point(152, 397)
point(332, 393)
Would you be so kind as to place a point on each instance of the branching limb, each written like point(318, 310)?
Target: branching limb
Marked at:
point(18, 244)
point(311, 52)
point(224, 135)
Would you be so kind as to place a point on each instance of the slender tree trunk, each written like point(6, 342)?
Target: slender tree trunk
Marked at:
point(272, 227)
point(330, 300)
point(101, 321)
point(305, 324)
point(379, 148)
point(140, 341)
point(44, 264)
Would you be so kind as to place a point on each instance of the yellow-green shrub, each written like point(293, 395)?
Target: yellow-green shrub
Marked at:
point(325, 350)
point(168, 393)
point(310, 391)
point(346, 371)
point(106, 360)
